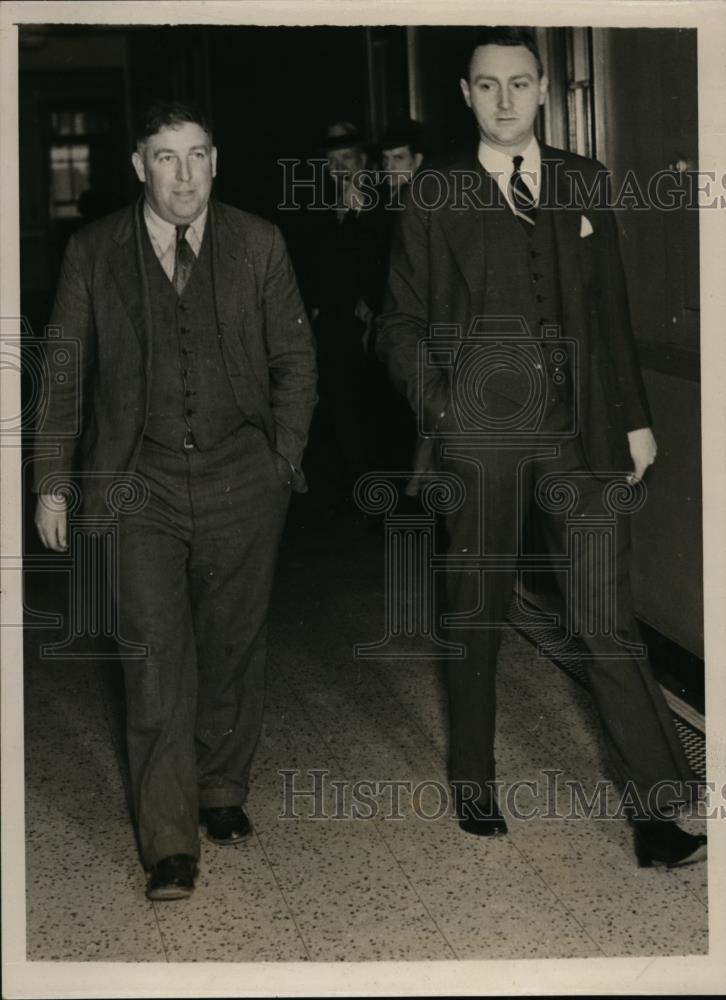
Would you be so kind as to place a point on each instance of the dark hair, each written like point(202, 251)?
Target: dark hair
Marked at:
point(511, 36)
point(168, 114)
point(406, 133)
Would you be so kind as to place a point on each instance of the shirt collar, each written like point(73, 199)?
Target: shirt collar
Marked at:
point(500, 165)
point(165, 232)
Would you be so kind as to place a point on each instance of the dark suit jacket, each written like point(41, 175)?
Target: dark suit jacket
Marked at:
point(437, 276)
point(102, 304)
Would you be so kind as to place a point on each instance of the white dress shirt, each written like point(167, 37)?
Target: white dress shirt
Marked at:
point(500, 166)
point(163, 237)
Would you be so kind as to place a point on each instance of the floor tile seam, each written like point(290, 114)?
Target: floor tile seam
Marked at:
point(580, 922)
point(413, 887)
point(561, 901)
point(379, 834)
point(283, 896)
point(302, 702)
point(686, 885)
point(335, 760)
point(159, 929)
point(533, 870)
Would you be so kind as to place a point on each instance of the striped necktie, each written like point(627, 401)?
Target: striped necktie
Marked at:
point(522, 198)
point(183, 260)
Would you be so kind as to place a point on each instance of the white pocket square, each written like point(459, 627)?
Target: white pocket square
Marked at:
point(585, 226)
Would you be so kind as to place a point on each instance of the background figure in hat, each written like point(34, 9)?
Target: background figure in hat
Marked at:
point(346, 271)
point(402, 153)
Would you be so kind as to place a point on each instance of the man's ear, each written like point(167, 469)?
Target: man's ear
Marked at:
point(138, 162)
point(543, 85)
point(213, 155)
point(464, 84)
point(417, 160)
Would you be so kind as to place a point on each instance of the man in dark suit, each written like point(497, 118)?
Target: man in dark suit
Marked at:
point(198, 379)
point(500, 252)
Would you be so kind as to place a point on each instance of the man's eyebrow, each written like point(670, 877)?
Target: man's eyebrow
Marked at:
point(166, 149)
point(516, 76)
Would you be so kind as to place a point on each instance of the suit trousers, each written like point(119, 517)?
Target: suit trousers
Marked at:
point(500, 482)
point(195, 572)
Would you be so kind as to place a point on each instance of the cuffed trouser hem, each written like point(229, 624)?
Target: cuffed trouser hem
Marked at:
point(216, 798)
point(165, 848)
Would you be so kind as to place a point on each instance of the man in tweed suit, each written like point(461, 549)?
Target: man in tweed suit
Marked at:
point(197, 375)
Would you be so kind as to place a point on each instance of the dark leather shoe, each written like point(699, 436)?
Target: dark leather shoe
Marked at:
point(662, 842)
point(482, 819)
point(172, 877)
point(226, 824)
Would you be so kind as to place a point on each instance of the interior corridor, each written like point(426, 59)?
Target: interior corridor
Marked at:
point(324, 886)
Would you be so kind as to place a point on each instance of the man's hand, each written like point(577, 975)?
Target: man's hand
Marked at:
point(51, 521)
point(643, 450)
point(364, 313)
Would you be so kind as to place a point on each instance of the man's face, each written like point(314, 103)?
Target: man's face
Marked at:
point(400, 164)
point(345, 162)
point(176, 167)
point(504, 92)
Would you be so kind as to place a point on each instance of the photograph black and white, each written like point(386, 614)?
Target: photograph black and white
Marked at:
point(363, 495)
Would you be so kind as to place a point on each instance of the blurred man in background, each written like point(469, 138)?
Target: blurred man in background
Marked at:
point(401, 153)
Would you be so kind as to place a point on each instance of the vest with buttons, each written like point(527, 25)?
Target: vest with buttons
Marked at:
point(190, 387)
point(522, 279)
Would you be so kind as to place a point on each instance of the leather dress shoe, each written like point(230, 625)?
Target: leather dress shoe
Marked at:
point(662, 842)
point(226, 824)
point(172, 877)
point(483, 819)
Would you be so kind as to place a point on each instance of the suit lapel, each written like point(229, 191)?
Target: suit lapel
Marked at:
point(235, 286)
point(126, 263)
point(227, 254)
point(464, 229)
point(557, 193)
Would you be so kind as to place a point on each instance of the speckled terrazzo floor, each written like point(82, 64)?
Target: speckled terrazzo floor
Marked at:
point(344, 888)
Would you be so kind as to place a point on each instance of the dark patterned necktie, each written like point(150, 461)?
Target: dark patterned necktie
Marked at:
point(183, 260)
point(522, 198)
